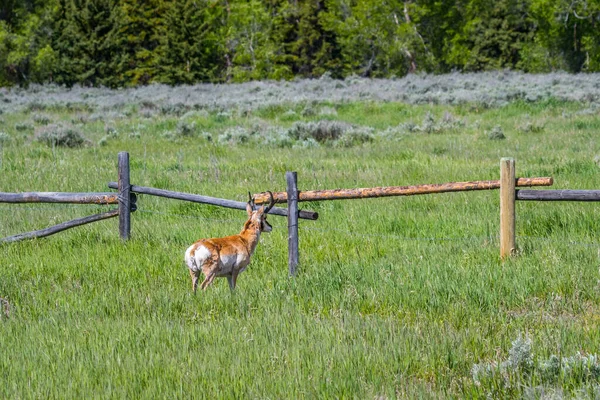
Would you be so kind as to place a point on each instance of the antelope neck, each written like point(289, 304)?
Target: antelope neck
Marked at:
point(251, 237)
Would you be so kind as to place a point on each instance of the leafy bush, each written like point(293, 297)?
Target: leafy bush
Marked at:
point(321, 131)
point(235, 135)
point(520, 370)
point(36, 105)
point(111, 131)
point(186, 129)
point(61, 136)
point(530, 127)
point(482, 90)
point(42, 119)
point(176, 109)
point(4, 138)
point(430, 125)
point(23, 126)
point(520, 361)
point(497, 133)
point(222, 116)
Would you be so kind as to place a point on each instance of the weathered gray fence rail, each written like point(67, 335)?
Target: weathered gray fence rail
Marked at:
point(558, 195)
point(59, 197)
point(196, 198)
point(60, 227)
point(125, 200)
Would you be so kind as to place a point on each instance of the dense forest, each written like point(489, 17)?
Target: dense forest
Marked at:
point(118, 43)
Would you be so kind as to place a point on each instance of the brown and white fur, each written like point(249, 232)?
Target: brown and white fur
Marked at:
point(227, 256)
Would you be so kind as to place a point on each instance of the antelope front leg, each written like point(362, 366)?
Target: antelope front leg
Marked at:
point(233, 279)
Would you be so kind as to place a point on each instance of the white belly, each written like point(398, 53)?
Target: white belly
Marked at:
point(229, 262)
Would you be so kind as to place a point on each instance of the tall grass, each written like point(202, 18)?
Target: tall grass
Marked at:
point(395, 297)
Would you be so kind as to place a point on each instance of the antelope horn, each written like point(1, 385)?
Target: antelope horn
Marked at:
point(271, 203)
point(251, 201)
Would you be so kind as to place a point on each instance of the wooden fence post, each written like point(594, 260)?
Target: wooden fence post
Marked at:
point(507, 207)
point(124, 196)
point(292, 204)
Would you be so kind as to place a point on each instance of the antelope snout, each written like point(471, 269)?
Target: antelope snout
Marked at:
point(266, 227)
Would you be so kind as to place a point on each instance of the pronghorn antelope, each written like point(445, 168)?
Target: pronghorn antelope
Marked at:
point(228, 256)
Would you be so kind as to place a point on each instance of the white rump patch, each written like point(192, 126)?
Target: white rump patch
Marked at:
point(200, 255)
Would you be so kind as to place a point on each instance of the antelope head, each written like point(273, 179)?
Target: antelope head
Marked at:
point(257, 218)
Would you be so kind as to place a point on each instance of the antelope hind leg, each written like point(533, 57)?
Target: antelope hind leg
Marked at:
point(209, 268)
point(208, 280)
point(195, 275)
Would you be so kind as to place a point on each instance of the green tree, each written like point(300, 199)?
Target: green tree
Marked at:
point(567, 36)
point(439, 21)
point(307, 45)
point(86, 39)
point(251, 50)
point(140, 28)
point(193, 48)
point(25, 53)
point(378, 38)
point(493, 35)
point(12, 12)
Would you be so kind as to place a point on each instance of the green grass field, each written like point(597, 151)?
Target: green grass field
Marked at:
point(395, 297)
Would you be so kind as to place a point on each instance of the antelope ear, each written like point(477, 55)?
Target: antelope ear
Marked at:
point(249, 209)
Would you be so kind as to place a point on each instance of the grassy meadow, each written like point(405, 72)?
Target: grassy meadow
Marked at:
point(395, 298)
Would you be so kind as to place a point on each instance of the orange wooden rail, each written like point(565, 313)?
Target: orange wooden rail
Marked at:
point(363, 193)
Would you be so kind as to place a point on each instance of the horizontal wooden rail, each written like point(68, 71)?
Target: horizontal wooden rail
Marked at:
point(196, 198)
point(339, 194)
point(559, 195)
point(60, 227)
point(59, 197)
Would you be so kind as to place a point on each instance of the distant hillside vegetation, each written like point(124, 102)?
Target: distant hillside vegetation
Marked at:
point(120, 43)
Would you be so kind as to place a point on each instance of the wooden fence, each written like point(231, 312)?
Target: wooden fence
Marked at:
point(507, 185)
point(126, 199)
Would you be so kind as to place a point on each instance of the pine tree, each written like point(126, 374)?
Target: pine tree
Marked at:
point(493, 35)
point(193, 47)
point(86, 38)
point(307, 45)
point(140, 29)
